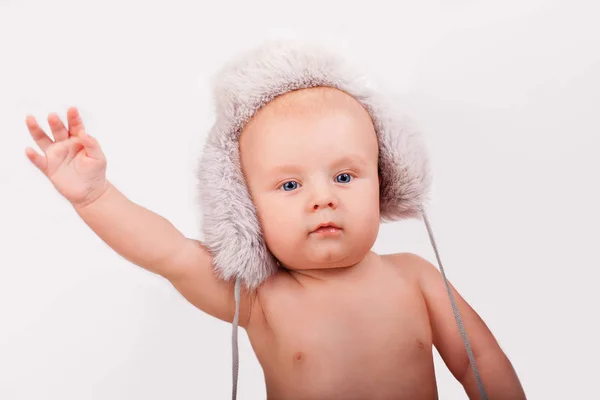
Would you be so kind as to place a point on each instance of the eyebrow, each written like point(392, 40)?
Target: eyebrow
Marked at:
point(346, 159)
point(349, 159)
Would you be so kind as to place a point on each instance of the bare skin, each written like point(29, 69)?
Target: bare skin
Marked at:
point(361, 335)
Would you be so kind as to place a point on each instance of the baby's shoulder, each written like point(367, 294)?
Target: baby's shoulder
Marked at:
point(418, 269)
point(406, 264)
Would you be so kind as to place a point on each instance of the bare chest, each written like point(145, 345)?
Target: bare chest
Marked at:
point(347, 342)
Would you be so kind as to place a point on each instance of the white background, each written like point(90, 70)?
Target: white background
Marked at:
point(507, 94)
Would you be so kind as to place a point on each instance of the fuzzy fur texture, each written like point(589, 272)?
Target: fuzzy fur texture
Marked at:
point(230, 224)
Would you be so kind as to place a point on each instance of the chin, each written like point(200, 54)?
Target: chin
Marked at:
point(333, 257)
point(317, 259)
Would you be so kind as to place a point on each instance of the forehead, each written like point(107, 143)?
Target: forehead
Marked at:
point(318, 121)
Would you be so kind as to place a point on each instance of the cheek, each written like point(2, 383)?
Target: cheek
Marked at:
point(363, 202)
point(281, 226)
point(362, 213)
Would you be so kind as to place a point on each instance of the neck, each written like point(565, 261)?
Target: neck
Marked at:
point(326, 275)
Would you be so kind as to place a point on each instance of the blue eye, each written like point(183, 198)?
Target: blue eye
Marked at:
point(345, 178)
point(289, 186)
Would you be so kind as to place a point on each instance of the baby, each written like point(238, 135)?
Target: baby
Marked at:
point(335, 320)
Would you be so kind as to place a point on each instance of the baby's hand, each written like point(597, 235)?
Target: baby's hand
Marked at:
point(73, 162)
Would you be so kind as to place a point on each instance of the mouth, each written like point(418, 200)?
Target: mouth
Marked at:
point(327, 228)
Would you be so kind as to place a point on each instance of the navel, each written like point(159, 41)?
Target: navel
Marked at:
point(298, 356)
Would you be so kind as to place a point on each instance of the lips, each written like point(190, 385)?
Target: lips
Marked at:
point(326, 226)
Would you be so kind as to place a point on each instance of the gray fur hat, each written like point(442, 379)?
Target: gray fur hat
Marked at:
point(232, 231)
point(231, 227)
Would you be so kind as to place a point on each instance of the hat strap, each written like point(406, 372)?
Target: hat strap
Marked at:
point(459, 322)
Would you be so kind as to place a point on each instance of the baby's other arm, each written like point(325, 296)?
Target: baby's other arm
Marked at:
point(495, 369)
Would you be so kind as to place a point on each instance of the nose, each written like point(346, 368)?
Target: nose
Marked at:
point(323, 197)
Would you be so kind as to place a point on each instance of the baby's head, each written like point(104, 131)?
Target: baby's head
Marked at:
point(310, 157)
point(302, 138)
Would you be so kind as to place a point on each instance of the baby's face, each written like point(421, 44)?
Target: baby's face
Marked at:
point(311, 157)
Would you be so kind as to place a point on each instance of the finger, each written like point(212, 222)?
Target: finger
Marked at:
point(76, 127)
point(38, 160)
point(92, 147)
point(59, 131)
point(38, 134)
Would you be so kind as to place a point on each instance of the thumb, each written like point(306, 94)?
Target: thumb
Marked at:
point(39, 161)
point(92, 147)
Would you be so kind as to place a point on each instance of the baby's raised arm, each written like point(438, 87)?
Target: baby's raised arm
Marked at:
point(136, 233)
point(76, 166)
point(152, 242)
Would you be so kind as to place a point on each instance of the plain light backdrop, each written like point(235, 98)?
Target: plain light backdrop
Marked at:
point(506, 93)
